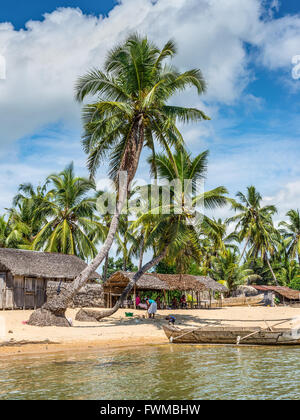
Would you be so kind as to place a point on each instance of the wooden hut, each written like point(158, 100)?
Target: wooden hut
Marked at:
point(285, 295)
point(24, 276)
point(195, 285)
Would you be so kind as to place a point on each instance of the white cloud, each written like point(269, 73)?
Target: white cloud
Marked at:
point(285, 199)
point(44, 60)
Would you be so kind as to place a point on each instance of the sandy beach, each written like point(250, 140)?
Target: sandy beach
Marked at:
point(119, 331)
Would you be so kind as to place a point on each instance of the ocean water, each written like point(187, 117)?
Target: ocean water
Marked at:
point(171, 371)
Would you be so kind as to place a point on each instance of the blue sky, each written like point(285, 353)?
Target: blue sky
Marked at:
point(244, 49)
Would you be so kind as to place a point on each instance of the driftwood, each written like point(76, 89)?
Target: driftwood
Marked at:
point(12, 342)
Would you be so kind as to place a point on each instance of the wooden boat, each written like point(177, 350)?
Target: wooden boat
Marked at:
point(233, 335)
point(243, 301)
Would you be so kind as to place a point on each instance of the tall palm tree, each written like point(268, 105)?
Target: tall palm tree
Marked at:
point(291, 232)
point(255, 225)
point(69, 215)
point(131, 112)
point(188, 170)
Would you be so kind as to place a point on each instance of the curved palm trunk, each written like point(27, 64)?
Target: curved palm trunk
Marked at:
point(53, 311)
point(243, 252)
point(104, 276)
point(141, 251)
point(85, 314)
point(270, 268)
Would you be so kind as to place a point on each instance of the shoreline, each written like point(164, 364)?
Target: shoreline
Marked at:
point(119, 332)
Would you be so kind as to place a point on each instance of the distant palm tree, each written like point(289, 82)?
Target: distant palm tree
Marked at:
point(291, 232)
point(22, 220)
point(188, 170)
point(216, 232)
point(227, 268)
point(69, 215)
point(255, 225)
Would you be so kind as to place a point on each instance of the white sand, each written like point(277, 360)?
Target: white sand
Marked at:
point(118, 331)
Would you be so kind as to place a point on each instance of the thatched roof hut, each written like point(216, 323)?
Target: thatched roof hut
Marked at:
point(24, 275)
point(114, 286)
point(156, 281)
point(42, 264)
point(281, 291)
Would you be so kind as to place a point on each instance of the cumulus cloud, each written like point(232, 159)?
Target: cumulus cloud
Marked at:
point(44, 60)
point(285, 199)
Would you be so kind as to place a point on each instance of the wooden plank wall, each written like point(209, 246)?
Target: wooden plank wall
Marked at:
point(17, 292)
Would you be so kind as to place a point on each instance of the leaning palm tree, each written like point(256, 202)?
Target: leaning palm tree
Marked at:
point(291, 232)
point(131, 111)
point(69, 215)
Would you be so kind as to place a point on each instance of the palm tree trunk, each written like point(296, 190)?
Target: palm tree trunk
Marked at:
point(242, 254)
point(104, 275)
point(141, 251)
point(270, 268)
point(53, 311)
point(83, 314)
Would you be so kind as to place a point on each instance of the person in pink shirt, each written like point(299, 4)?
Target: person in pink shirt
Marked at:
point(137, 301)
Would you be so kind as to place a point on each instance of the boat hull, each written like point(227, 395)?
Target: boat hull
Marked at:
point(229, 335)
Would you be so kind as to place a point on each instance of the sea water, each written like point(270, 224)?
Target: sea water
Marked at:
point(171, 371)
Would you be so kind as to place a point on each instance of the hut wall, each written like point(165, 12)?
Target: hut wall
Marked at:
point(6, 290)
point(91, 295)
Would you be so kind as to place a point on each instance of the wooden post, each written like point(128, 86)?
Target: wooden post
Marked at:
point(24, 290)
point(35, 293)
point(134, 297)
point(210, 298)
point(165, 298)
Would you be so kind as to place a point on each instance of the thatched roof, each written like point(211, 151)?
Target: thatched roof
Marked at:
point(181, 282)
point(120, 280)
point(42, 264)
point(281, 290)
point(211, 284)
point(156, 281)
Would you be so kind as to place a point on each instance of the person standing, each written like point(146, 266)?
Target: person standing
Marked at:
point(152, 307)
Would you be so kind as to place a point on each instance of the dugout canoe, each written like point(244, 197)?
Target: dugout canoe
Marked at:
point(243, 301)
point(233, 335)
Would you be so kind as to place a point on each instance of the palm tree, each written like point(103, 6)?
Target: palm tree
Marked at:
point(22, 221)
point(255, 225)
point(188, 170)
point(291, 232)
point(226, 267)
point(69, 215)
point(216, 232)
point(131, 112)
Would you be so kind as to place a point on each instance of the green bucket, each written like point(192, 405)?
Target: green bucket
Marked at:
point(128, 314)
